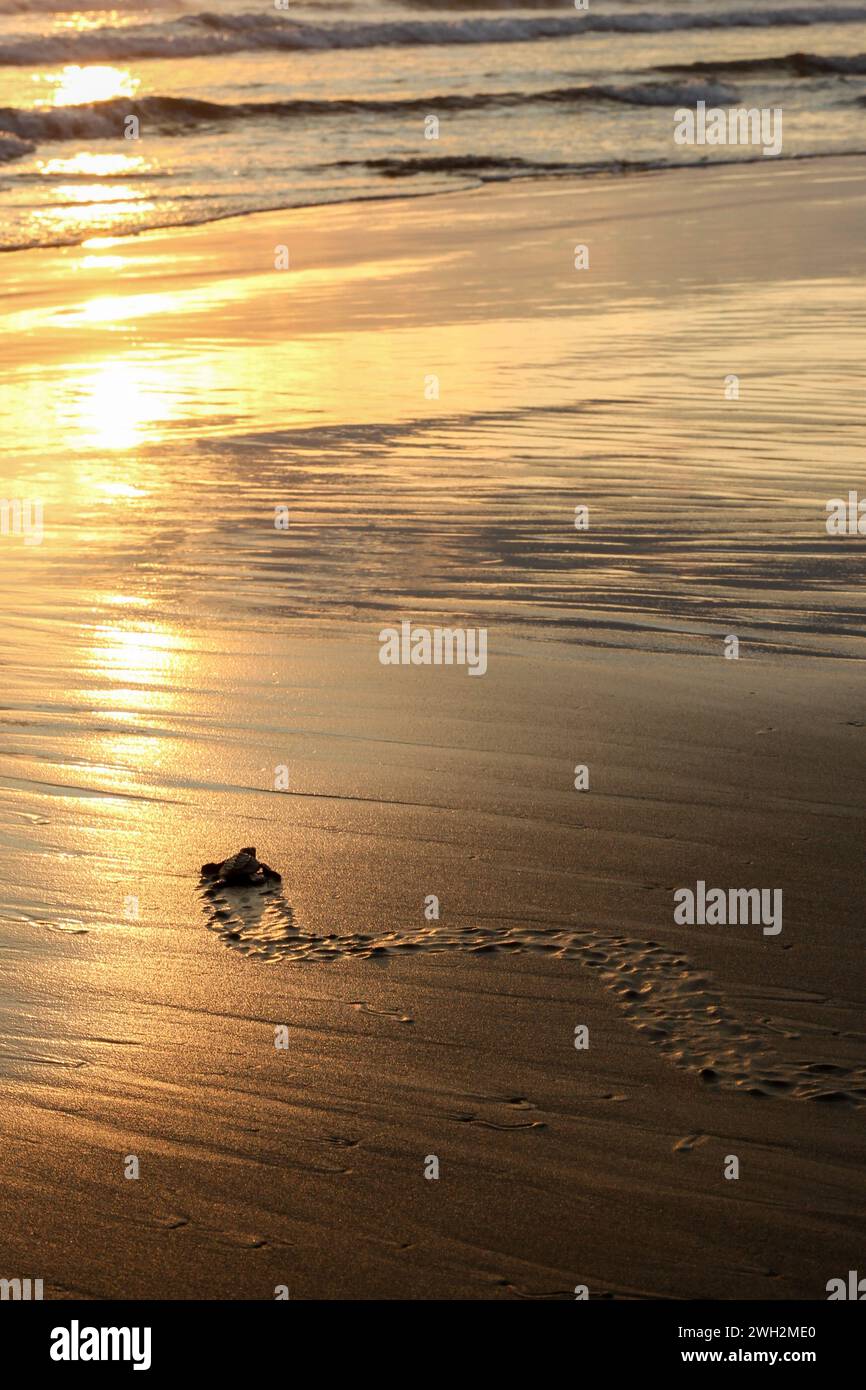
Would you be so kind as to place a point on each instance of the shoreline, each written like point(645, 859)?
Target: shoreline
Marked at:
point(618, 169)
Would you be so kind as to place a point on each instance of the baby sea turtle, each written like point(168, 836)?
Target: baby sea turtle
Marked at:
point(242, 867)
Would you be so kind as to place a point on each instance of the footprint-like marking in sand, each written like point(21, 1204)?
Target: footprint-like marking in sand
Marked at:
point(674, 1005)
point(680, 1010)
point(397, 1014)
point(252, 918)
point(691, 1141)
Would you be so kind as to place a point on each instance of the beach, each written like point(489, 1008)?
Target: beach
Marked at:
point(428, 392)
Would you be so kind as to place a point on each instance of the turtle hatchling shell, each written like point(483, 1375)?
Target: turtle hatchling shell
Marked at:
point(242, 865)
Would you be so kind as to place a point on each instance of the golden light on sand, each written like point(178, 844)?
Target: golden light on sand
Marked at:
point(101, 263)
point(77, 85)
point(110, 309)
point(116, 404)
point(101, 243)
point(99, 259)
point(139, 668)
point(144, 654)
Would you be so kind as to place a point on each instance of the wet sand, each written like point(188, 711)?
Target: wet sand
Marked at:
point(166, 393)
point(164, 657)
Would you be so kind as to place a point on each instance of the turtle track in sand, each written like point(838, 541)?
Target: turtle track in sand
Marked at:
point(675, 1006)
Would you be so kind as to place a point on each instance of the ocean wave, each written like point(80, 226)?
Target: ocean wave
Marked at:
point(206, 34)
point(48, 7)
point(791, 64)
point(651, 94)
point(555, 6)
point(484, 166)
point(490, 168)
point(104, 119)
point(13, 148)
point(179, 115)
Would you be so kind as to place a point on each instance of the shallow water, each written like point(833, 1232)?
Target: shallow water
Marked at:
point(162, 417)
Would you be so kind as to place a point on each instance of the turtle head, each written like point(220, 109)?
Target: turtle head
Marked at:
point(209, 870)
point(250, 851)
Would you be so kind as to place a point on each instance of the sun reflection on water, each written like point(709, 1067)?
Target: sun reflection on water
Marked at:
point(139, 667)
point(137, 655)
point(96, 193)
point(96, 166)
point(75, 85)
point(78, 218)
point(114, 405)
